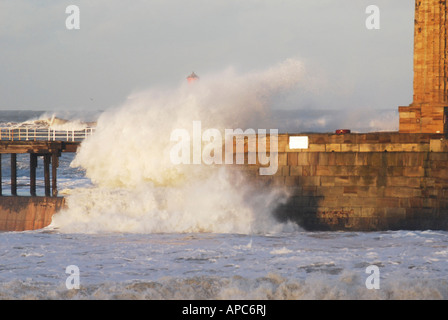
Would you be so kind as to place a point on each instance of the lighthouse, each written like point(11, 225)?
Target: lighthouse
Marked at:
point(192, 77)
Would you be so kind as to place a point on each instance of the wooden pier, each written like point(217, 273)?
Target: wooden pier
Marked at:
point(49, 150)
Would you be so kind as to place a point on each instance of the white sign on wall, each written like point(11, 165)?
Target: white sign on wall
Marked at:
point(298, 142)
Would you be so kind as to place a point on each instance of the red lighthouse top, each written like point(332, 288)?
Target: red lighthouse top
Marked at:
point(192, 77)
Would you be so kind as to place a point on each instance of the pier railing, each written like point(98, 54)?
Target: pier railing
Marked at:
point(44, 134)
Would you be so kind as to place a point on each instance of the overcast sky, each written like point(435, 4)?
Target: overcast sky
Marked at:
point(124, 46)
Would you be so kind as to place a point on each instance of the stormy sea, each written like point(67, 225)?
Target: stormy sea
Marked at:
point(138, 226)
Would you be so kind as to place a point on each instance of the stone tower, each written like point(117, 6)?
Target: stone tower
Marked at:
point(427, 113)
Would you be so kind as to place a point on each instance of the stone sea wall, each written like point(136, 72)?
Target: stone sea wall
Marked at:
point(366, 182)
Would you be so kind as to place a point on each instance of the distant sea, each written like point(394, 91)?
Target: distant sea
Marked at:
point(18, 116)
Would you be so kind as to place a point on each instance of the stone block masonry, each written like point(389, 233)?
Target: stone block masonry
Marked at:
point(365, 182)
point(428, 111)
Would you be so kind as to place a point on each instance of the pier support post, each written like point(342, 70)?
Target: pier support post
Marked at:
point(47, 159)
point(54, 166)
point(33, 166)
point(13, 174)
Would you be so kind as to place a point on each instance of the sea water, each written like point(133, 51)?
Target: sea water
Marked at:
point(297, 265)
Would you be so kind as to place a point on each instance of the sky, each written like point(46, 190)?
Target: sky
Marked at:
point(123, 46)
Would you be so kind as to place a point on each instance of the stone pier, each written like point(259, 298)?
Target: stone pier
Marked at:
point(361, 182)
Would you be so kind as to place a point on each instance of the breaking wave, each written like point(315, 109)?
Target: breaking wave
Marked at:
point(136, 186)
